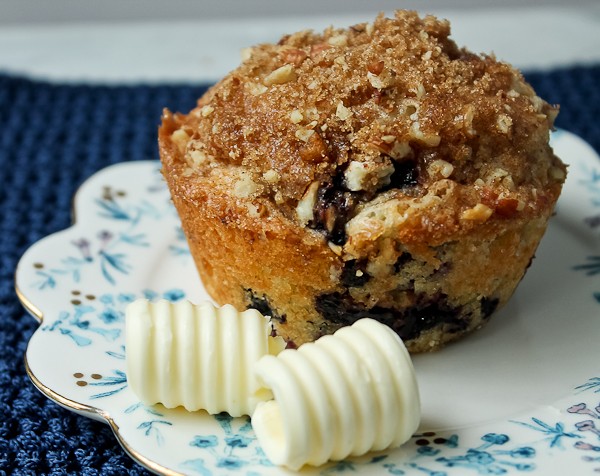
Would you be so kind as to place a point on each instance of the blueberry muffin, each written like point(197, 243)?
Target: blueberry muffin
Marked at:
point(376, 171)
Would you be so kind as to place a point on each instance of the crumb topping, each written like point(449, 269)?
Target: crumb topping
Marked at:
point(392, 108)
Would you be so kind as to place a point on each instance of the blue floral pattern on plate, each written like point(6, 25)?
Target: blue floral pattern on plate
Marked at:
point(127, 243)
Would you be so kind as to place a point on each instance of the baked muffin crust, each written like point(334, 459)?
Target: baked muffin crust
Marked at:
point(376, 170)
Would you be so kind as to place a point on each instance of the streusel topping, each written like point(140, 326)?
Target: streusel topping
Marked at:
point(392, 107)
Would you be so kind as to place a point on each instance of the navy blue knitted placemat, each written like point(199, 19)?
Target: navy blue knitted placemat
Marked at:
point(54, 136)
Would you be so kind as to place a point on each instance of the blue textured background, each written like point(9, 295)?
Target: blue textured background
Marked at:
point(54, 136)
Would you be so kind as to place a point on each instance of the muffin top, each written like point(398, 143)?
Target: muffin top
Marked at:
point(383, 127)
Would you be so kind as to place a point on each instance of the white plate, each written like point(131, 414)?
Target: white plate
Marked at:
point(520, 396)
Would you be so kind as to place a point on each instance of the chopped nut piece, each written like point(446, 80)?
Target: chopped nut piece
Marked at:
point(537, 102)
point(467, 120)
point(396, 150)
point(294, 56)
point(256, 89)
point(496, 175)
point(388, 139)
point(479, 212)
point(431, 140)
point(304, 134)
point(194, 158)
point(207, 111)
point(342, 62)
point(375, 81)
point(281, 75)
point(337, 249)
point(253, 210)
point(504, 123)
point(368, 175)
point(247, 131)
point(509, 183)
point(279, 198)
point(246, 53)
point(400, 150)
point(180, 138)
point(296, 116)
point(440, 167)
point(245, 186)
point(338, 40)
point(305, 207)
point(342, 112)
point(312, 113)
point(271, 176)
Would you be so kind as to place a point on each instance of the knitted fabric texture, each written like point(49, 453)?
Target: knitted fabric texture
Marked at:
point(53, 137)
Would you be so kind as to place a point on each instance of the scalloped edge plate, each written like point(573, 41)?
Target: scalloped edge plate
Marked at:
point(526, 397)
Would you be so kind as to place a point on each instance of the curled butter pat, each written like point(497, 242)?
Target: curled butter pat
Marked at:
point(344, 395)
point(197, 356)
